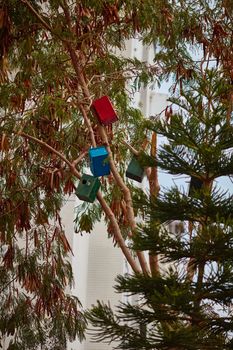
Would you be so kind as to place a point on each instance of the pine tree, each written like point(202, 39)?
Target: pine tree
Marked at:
point(187, 304)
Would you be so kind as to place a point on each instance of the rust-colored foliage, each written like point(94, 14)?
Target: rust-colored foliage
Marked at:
point(69, 186)
point(22, 212)
point(8, 258)
point(5, 41)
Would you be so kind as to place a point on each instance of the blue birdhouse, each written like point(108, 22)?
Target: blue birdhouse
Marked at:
point(99, 161)
point(87, 188)
point(135, 171)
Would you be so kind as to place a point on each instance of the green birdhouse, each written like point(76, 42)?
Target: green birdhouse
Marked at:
point(87, 188)
point(135, 170)
point(195, 185)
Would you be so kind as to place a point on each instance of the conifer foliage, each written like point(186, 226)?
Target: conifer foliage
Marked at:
point(186, 303)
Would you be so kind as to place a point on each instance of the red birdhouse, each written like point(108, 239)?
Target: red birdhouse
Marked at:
point(103, 110)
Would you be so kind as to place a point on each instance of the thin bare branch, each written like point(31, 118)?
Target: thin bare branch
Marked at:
point(88, 123)
point(80, 158)
point(109, 213)
point(53, 150)
point(127, 196)
point(131, 148)
point(154, 190)
point(117, 234)
point(38, 16)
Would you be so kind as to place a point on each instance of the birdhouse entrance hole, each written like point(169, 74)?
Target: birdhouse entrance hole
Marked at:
point(86, 182)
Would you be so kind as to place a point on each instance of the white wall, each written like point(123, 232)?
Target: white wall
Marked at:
point(96, 263)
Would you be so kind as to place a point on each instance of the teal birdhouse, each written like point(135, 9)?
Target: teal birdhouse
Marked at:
point(135, 171)
point(99, 161)
point(87, 188)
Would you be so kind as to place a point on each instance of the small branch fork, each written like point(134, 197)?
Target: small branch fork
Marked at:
point(37, 15)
